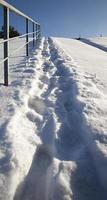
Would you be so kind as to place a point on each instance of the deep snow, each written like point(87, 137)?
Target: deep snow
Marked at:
point(53, 143)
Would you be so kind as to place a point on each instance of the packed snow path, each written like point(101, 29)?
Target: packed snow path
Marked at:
point(51, 157)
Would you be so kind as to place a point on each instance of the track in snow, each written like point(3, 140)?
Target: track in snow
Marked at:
point(66, 169)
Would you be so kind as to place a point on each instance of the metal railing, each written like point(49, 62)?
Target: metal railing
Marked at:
point(36, 33)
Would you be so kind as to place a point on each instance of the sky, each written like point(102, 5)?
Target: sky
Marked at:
point(63, 18)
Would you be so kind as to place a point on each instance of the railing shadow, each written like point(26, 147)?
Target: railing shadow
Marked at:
point(87, 41)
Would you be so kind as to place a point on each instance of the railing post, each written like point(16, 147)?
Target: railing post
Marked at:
point(39, 31)
point(27, 37)
point(36, 32)
point(33, 34)
point(6, 44)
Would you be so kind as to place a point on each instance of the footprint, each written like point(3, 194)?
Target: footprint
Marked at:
point(86, 83)
point(29, 71)
point(40, 85)
point(37, 104)
point(44, 79)
point(34, 117)
point(67, 106)
point(33, 59)
point(43, 157)
point(47, 66)
point(35, 186)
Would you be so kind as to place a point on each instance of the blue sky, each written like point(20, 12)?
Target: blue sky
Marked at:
point(64, 18)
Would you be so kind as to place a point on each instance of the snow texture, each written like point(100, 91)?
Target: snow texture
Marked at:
point(53, 141)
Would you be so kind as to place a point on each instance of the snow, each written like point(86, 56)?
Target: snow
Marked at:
point(98, 42)
point(92, 60)
point(52, 140)
point(91, 76)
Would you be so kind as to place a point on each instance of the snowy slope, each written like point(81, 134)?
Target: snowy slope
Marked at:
point(87, 58)
point(98, 42)
point(90, 68)
point(53, 144)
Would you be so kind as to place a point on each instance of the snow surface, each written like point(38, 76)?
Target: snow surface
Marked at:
point(53, 132)
point(98, 42)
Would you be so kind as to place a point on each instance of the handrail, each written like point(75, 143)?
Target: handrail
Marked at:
point(18, 37)
point(36, 34)
point(11, 54)
point(7, 5)
point(15, 51)
point(19, 48)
